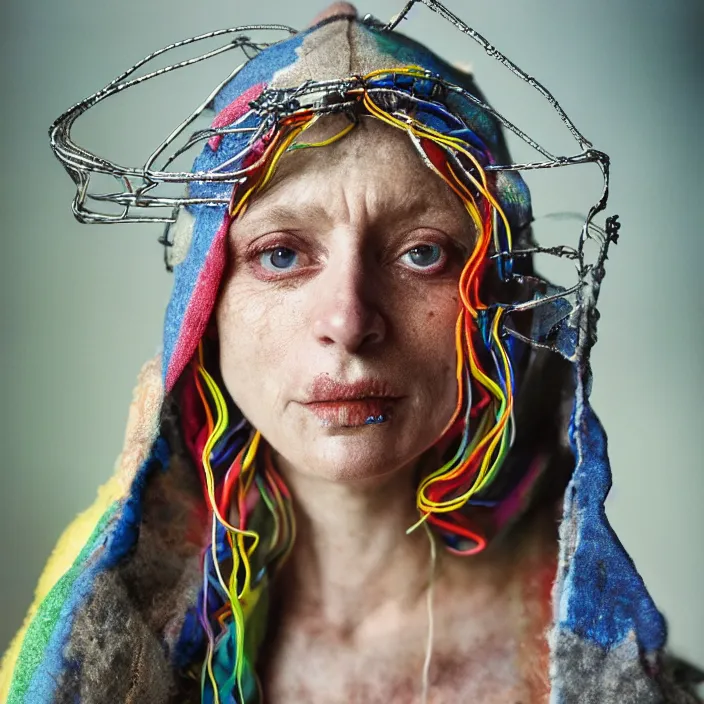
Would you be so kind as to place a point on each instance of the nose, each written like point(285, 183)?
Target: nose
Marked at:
point(337, 9)
point(346, 310)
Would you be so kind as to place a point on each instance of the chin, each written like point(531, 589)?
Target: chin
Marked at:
point(354, 456)
point(328, 448)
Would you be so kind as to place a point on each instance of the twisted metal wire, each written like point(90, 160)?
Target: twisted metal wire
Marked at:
point(138, 186)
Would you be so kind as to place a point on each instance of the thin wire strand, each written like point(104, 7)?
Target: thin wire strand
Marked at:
point(431, 623)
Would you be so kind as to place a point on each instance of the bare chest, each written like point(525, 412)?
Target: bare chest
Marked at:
point(496, 655)
point(496, 676)
point(489, 642)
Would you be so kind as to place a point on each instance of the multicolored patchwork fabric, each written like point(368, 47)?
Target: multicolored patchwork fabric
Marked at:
point(118, 615)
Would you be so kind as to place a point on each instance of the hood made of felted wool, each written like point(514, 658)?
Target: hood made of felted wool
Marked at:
point(113, 617)
point(335, 49)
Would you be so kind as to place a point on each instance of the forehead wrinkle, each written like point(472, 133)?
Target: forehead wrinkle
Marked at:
point(371, 207)
point(294, 193)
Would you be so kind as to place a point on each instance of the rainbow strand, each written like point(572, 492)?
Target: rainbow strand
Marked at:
point(244, 485)
point(234, 599)
point(485, 442)
point(248, 488)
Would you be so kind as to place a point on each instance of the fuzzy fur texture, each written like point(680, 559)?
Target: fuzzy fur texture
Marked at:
point(592, 675)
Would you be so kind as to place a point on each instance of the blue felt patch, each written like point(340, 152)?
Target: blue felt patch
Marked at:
point(605, 596)
point(261, 69)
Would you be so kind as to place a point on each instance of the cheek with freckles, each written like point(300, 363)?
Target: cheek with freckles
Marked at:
point(265, 342)
point(256, 331)
point(437, 334)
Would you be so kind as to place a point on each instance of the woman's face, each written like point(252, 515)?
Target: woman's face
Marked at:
point(340, 305)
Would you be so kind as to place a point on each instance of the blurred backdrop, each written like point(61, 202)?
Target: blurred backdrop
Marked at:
point(82, 305)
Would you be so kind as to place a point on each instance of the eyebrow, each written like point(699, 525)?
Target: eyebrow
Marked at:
point(275, 214)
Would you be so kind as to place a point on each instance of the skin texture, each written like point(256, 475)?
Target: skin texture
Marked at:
point(352, 307)
point(489, 645)
point(353, 303)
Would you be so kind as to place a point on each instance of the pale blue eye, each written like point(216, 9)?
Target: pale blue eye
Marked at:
point(424, 255)
point(278, 259)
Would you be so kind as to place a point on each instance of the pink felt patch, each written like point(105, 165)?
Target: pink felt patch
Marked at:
point(200, 307)
point(234, 111)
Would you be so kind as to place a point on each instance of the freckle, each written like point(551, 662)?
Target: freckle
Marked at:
point(431, 314)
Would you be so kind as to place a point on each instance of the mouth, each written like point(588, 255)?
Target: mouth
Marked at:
point(354, 413)
point(365, 402)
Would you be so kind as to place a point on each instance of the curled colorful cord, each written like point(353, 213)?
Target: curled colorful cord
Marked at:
point(488, 427)
point(251, 492)
point(246, 488)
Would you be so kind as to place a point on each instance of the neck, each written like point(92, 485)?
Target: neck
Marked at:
point(352, 557)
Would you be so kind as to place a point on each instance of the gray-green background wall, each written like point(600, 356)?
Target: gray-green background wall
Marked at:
point(82, 305)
